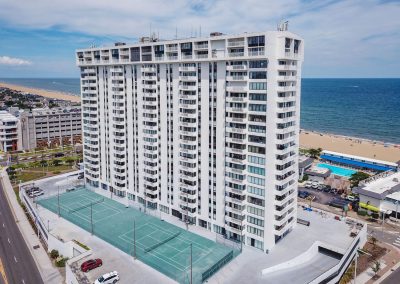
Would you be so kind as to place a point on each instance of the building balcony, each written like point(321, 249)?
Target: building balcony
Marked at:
point(236, 119)
point(233, 220)
point(201, 56)
point(235, 99)
point(236, 43)
point(288, 67)
point(188, 68)
point(235, 140)
point(236, 54)
point(150, 87)
point(149, 69)
point(237, 89)
point(188, 115)
point(236, 130)
point(235, 109)
point(286, 88)
point(236, 78)
point(236, 67)
point(188, 78)
point(188, 87)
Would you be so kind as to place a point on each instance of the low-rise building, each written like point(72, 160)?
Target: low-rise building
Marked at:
point(51, 127)
point(304, 164)
point(9, 132)
point(380, 193)
point(358, 162)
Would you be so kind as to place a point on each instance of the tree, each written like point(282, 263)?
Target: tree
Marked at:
point(43, 163)
point(70, 161)
point(374, 241)
point(56, 162)
point(376, 267)
point(314, 153)
point(357, 177)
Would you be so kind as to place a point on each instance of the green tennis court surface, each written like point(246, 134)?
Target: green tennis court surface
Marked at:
point(159, 244)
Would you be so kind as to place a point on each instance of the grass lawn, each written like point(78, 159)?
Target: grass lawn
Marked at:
point(52, 168)
point(27, 176)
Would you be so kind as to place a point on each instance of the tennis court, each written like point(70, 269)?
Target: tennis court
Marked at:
point(163, 246)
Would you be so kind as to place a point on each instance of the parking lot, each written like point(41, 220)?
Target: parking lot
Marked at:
point(318, 192)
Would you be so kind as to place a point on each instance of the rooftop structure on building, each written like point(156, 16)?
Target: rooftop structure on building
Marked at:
point(204, 129)
point(358, 162)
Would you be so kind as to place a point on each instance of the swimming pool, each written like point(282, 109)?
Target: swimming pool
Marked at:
point(337, 170)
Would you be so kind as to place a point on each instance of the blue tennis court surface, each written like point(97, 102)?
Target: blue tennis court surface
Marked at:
point(159, 244)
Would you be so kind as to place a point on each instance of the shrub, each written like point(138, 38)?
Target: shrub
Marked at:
point(56, 172)
point(362, 212)
point(60, 261)
point(81, 245)
point(54, 254)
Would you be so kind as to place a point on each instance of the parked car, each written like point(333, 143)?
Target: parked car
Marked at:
point(91, 264)
point(108, 278)
point(58, 155)
point(326, 189)
point(34, 192)
point(70, 189)
point(308, 185)
point(81, 176)
point(303, 194)
point(350, 198)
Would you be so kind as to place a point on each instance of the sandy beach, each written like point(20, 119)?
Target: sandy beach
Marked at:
point(41, 92)
point(350, 145)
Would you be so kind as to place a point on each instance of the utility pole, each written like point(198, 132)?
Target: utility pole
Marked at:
point(134, 238)
point(383, 220)
point(91, 217)
point(191, 264)
point(397, 209)
point(58, 200)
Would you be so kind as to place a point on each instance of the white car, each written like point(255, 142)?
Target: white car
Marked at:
point(108, 278)
point(350, 198)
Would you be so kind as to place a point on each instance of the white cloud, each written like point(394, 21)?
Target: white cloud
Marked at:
point(6, 60)
point(338, 34)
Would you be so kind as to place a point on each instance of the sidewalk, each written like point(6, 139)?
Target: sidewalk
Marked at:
point(49, 273)
point(391, 260)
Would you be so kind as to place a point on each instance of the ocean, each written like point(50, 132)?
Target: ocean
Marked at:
point(365, 108)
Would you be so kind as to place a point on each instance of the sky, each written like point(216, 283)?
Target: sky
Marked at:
point(343, 39)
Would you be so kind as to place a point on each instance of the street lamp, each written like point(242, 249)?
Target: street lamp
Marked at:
point(359, 251)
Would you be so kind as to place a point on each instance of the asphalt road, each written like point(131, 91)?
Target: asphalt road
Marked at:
point(16, 262)
point(393, 278)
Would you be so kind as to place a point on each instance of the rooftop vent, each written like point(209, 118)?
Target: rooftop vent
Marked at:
point(119, 43)
point(216, 34)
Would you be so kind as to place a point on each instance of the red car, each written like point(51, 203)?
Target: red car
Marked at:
point(91, 264)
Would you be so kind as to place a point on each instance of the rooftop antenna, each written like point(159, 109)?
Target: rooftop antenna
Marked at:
point(150, 31)
point(283, 26)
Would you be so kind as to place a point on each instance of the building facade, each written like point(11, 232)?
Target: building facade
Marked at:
point(204, 129)
point(10, 132)
point(51, 127)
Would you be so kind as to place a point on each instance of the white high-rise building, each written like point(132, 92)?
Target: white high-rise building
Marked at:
point(204, 129)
